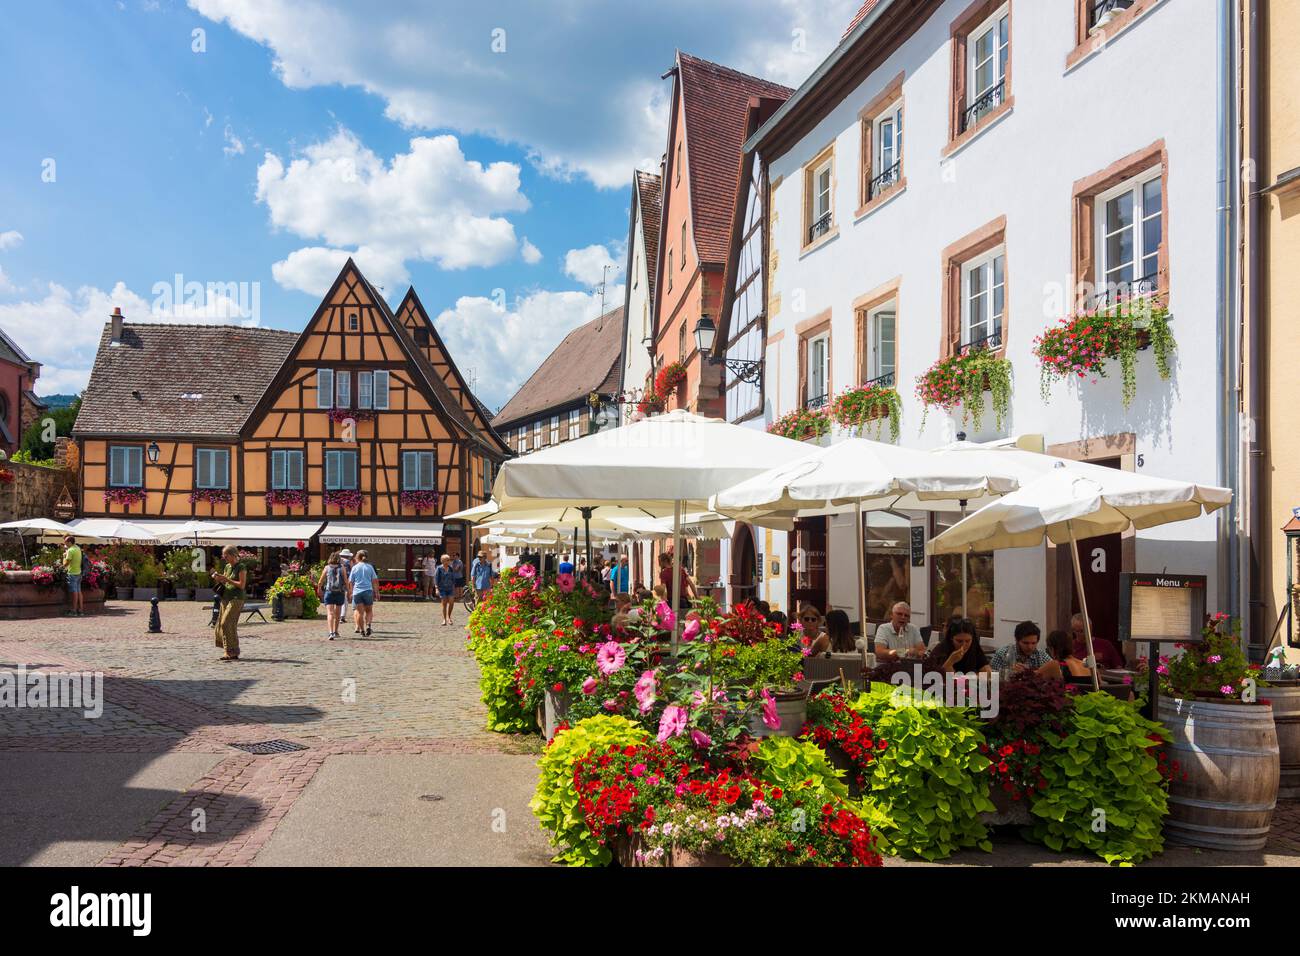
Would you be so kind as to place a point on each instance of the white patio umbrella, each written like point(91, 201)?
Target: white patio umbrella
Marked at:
point(857, 475)
point(194, 528)
point(39, 526)
point(1075, 500)
point(114, 529)
point(667, 464)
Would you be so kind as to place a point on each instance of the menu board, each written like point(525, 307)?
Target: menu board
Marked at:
point(918, 546)
point(1161, 607)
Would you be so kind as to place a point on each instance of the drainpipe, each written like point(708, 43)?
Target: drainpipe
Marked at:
point(1256, 631)
point(1227, 564)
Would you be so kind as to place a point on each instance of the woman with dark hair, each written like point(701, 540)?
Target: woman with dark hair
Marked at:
point(837, 638)
point(778, 617)
point(959, 651)
point(1072, 670)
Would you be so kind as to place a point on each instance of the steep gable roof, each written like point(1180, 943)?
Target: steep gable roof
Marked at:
point(136, 386)
point(715, 101)
point(649, 196)
point(9, 350)
point(586, 361)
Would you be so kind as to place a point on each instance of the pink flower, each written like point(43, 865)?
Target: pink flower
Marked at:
point(610, 657)
point(1226, 689)
point(672, 723)
point(1213, 659)
point(611, 705)
point(589, 685)
point(645, 691)
point(770, 717)
point(701, 739)
point(527, 571)
point(691, 631)
point(564, 582)
point(667, 619)
point(637, 770)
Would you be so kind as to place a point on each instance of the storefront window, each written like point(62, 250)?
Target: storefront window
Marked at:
point(886, 547)
point(946, 585)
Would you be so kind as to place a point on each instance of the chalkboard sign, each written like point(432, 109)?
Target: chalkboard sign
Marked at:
point(918, 546)
point(1161, 608)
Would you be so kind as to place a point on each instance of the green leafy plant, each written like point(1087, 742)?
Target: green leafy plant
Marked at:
point(147, 575)
point(802, 424)
point(930, 780)
point(557, 804)
point(179, 566)
point(857, 406)
point(1102, 788)
point(1081, 346)
point(962, 379)
point(798, 765)
point(772, 663)
point(286, 584)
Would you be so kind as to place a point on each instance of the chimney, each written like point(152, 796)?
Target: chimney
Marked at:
point(116, 318)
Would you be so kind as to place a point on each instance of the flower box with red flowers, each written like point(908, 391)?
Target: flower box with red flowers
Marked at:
point(287, 498)
point(668, 379)
point(124, 496)
point(420, 500)
point(214, 496)
point(802, 424)
point(348, 499)
point(858, 406)
point(340, 415)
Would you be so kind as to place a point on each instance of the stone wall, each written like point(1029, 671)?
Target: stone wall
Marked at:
point(34, 491)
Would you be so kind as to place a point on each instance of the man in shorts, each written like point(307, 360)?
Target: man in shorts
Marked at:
point(72, 567)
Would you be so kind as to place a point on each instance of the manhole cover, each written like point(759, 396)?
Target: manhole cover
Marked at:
point(431, 797)
point(271, 747)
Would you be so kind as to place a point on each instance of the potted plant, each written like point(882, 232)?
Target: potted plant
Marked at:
point(858, 406)
point(1080, 346)
point(802, 424)
point(124, 582)
point(962, 379)
point(203, 590)
point(146, 582)
point(1223, 734)
point(179, 563)
point(296, 591)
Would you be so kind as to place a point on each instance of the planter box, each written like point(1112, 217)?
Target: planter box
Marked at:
point(793, 711)
point(123, 594)
point(184, 594)
point(292, 606)
point(1009, 812)
point(144, 594)
point(556, 710)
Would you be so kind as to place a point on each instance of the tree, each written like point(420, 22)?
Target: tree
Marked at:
point(33, 444)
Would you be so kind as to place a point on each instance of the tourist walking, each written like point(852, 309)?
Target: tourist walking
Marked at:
point(361, 580)
point(345, 559)
point(458, 569)
point(444, 579)
point(333, 590)
point(72, 569)
point(233, 578)
point(429, 565)
point(481, 574)
point(620, 578)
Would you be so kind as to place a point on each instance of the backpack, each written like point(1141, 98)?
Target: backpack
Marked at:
point(333, 577)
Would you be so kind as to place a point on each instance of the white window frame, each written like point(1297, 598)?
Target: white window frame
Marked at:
point(522, 439)
point(324, 392)
point(555, 430)
point(206, 461)
point(983, 263)
point(365, 389)
point(875, 342)
point(341, 455)
point(824, 341)
point(894, 117)
point(972, 65)
point(290, 459)
point(382, 387)
point(343, 389)
point(537, 435)
point(1134, 185)
point(128, 458)
point(817, 212)
point(575, 423)
point(426, 478)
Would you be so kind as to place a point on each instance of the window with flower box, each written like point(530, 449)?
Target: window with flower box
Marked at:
point(125, 466)
point(212, 468)
point(419, 471)
point(286, 469)
point(340, 469)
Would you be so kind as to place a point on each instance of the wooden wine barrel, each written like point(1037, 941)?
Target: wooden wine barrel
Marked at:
point(1230, 755)
point(1285, 697)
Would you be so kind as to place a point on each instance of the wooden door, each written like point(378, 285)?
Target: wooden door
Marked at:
point(807, 563)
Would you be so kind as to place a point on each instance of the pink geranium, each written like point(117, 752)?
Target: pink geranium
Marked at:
point(770, 717)
point(610, 657)
point(589, 685)
point(701, 739)
point(691, 631)
point(672, 723)
point(667, 619)
point(527, 570)
point(645, 691)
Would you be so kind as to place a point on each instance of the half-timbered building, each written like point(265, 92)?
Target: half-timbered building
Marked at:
point(361, 423)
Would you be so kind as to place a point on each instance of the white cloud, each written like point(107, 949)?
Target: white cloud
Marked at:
point(587, 265)
point(10, 239)
point(313, 268)
point(5, 284)
point(503, 345)
point(234, 145)
point(62, 329)
point(575, 83)
point(430, 204)
point(529, 252)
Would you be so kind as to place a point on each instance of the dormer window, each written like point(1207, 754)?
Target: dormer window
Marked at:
point(354, 323)
point(422, 337)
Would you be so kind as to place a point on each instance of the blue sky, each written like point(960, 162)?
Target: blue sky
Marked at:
point(461, 148)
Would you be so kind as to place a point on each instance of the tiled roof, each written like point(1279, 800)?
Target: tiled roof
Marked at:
point(715, 100)
point(866, 8)
point(649, 189)
point(136, 387)
point(9, 350)
point(586, 361)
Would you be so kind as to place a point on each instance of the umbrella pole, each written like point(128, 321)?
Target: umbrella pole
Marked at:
point(862, 577)
point(1083, 606)
point(676, 593)
point(965, 562)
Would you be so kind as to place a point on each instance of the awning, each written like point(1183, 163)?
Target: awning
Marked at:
point(382, 532)
point(253, 534)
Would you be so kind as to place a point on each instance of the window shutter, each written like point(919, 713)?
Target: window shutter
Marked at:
point(278, 469)
point(343, 390)
point(295, 469)
point(332, 470)
point(409, 471)
point(365, 389)
point(324, 388)
point(201, 468)
point(381, 389)
point(426, 471)
point(135, 459)
point(351, 462)
point(223, 475)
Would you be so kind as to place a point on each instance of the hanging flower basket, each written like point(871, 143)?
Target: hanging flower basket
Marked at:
point(869, 403)
point(287, 498)
point(124, 496)
point(419, 500)
point(345, 500)
point(668, 378)
point(1081, 345)
point(962, 380)
point(215, 496)
point(338, 415)
point(802, 424)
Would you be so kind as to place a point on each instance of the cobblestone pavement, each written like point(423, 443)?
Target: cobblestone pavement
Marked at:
point(410, 688)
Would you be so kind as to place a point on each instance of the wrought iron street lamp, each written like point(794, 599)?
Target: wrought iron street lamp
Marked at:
point(152, 452)
point(745, 370)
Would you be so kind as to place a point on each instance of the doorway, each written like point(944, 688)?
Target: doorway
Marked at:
point(1101, 560)
point(744, 565)
point(807, 563)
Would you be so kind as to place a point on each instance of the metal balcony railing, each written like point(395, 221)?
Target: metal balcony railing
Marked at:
point(816, 402)
point(820, 227)
point(991, 341)
point(1116, 292)
point(882, 381)
point(984, 104)
point(886, 179)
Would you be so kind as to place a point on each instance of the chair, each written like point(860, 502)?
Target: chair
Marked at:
point(926, 631)
point(832, 668)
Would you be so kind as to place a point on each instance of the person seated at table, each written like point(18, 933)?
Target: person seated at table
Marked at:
point(660, 593)
point(1107, 654)
point(1068, 667)
point(622, 602)
point(1024, 654)
point(810, 622)
point(779, 618)
point(899, 637)
point(763, 608)
point(837, 638)
point(959, 651)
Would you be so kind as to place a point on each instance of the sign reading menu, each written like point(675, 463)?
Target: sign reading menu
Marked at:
point(1161, 607)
